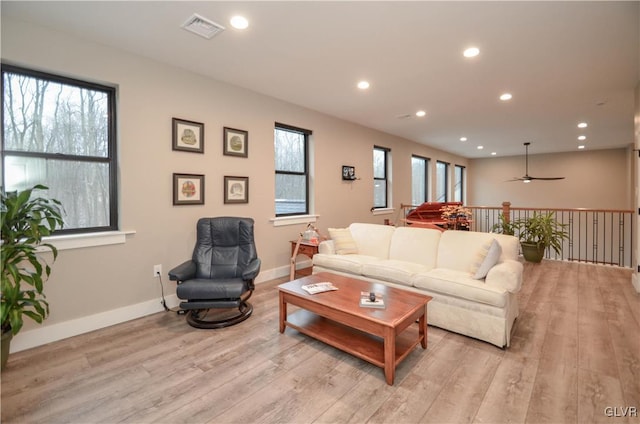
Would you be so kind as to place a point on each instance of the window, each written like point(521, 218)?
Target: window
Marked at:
point(380, 177)
point(458, 187)
point(292, 175)
point(60, 132)
point(419, 180)
point(442, 181)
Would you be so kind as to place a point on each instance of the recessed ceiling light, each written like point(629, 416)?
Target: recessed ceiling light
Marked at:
point(480, 147)
point(363, 85)
point(421, 113)
point(582, 125)
point(493, 153)
point(581, 146)
point(239, 22)
point(582, 137)
point(463, 138)
point(506, 96)
point(471, 52)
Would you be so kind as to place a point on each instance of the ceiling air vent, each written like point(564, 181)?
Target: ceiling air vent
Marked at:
point(202, 26)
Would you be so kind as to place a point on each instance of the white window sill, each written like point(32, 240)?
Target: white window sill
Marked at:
point(294, 220)
point(383, 211)
point(78, 241)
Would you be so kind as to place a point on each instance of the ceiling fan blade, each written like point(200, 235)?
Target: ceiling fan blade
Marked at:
point(546, 178)
point(526, 177)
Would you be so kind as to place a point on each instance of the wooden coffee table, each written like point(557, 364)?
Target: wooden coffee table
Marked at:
point(383, 337)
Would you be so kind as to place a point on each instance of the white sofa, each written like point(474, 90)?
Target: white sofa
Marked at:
point(440, 264)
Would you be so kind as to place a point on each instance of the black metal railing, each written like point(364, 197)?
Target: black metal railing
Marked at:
point(601, 236)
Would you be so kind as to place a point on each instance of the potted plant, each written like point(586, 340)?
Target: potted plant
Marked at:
point(503, 226)
point(25, 221)
point(539, 232)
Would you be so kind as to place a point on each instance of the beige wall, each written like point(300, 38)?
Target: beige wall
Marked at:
point(599, 179)
point(117, 280)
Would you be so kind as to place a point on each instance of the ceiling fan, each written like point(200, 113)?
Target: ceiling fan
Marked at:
point(527, 178)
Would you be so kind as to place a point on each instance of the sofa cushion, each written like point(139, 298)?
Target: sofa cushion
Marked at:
point(400, 272)
point(343, 241)
point(457, 249)
point(460, 284)
point(345, 263)
point(486, 257)
point(372, 239)
point(417, 245)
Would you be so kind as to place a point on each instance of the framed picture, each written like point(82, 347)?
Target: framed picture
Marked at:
point(188, 136)
point(236, 142)
point(348, 172)
point(236, 189)
point(188, 189)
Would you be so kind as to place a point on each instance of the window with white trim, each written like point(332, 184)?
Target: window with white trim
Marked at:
point(442, 181)
point(60, 132)
point(292, 170)
point(380, 177)
point(419, 179)
point(458, 183)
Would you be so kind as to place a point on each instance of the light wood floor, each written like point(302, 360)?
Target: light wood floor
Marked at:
point(575, 351)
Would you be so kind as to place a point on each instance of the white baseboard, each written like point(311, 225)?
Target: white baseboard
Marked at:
point(51, 333)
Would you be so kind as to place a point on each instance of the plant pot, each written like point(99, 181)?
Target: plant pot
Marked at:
point(6, 344)
point(532, 252)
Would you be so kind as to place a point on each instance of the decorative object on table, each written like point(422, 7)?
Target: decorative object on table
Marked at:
point(322, 287)
point(371, 300)
point(25, 221)
point(348, 173)
point(236, 142)
point(188, 136)
point(310, 235)
point(539, 232)
point(236, 189)
point(457, 217)
point(188, 189)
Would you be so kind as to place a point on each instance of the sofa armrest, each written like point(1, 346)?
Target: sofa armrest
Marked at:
point(328, 247)
point(506, 275)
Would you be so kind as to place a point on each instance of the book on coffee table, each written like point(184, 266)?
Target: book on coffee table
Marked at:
point(366, 302)
point(319, 287)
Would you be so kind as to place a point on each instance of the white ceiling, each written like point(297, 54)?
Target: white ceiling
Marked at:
point(564, 62)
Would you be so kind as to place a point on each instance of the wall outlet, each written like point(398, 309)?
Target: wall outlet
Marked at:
point(157, 270)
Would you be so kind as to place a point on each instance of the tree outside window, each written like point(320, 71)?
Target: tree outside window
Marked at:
point(291, 170)
point(59, 132)
point(442, 181)
point(419, 180)
point(380, 177)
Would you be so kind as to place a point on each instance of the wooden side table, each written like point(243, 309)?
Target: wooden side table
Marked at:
point(305, 248)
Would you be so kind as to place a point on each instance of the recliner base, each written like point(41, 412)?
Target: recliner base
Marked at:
point(197, 317)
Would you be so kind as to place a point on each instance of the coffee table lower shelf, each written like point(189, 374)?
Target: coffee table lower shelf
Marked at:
point(355, 342)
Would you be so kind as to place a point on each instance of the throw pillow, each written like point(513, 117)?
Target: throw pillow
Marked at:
point(343, 241)
point(485, 259)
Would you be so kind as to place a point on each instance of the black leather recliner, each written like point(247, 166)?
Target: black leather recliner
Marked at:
point(220, 274)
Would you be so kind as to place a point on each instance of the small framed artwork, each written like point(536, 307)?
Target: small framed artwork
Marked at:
point(348, 172)
point(236, 189)
point(188, 189)
point(236, 142)
point(188, 136)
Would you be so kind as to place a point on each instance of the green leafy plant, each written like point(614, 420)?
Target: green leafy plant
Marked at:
point(25, 221)
point(503, 226)
point(543, 231)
